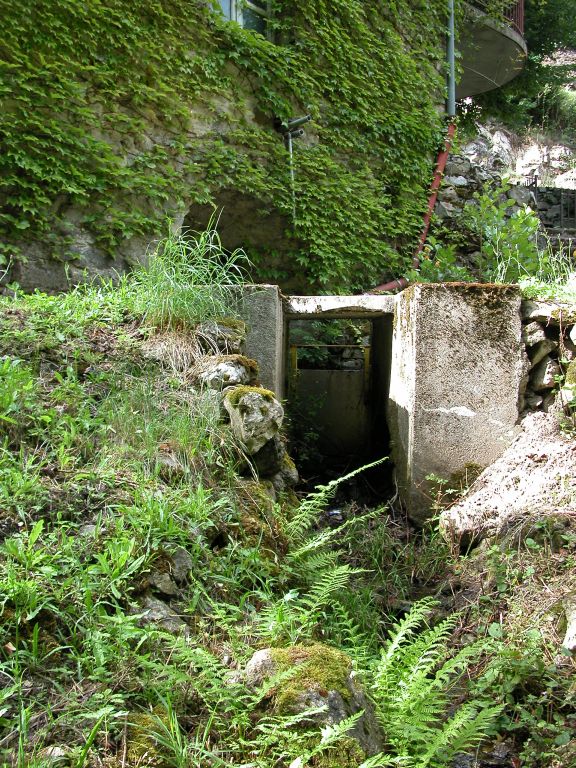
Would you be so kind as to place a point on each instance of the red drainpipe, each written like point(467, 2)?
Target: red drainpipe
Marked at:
point(399, 283)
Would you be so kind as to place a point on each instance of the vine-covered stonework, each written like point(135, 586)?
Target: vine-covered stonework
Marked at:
point(118, 117)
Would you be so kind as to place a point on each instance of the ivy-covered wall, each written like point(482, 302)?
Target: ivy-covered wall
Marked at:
point(119, 116)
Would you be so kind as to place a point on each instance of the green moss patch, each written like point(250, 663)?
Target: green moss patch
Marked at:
point(318, 668)
point(238, 393)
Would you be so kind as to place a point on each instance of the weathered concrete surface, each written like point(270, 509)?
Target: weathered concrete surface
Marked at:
point(457, 369)
point(534, 479)
point(262, 311)
point(366, 305)
point(339, 403)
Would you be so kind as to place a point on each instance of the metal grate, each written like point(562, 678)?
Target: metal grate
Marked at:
point(568, 209)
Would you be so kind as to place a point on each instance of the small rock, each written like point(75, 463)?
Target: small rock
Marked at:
point(287, 477)
point(55, 756)
point(162, 582)
point(88, 530)
point(260, 667)
point(541, 349)
point(269, 459)
point(312, 688)
point(255, 416)
point(224, 371)
point(456, 181)
point(532, 334)
point(225, 336)
point(569, 348)
point(181, 565)
point(445, 211)
point(549, 313)
point(522, 195)
point(449, 195)
point(532, 402)
point(169, 466)
point(544, 375)
point(458, 166)
point(157, 612)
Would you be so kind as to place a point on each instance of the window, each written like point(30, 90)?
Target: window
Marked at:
point(251, 14)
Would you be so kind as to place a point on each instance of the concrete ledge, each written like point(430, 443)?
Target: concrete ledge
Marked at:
point(366, 305)
point(491, 54)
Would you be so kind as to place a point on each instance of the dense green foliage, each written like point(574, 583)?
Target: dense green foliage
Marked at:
point(132, 112)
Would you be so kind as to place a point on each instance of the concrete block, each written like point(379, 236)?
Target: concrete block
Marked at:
point(457, 366)
point(261, 309)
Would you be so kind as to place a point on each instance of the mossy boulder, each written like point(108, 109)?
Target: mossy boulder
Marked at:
point(318, 676)
point(142, 743)
point(226, 335)
point(255, 416)
point(221, 371)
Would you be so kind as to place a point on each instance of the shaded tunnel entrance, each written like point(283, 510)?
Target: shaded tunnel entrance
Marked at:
point(337, 384)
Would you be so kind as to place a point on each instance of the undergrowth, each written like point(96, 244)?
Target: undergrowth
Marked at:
point(121, 497)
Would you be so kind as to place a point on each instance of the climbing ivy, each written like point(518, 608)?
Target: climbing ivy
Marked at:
point(116, 115)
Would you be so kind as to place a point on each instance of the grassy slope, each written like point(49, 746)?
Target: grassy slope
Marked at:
point(109, 463)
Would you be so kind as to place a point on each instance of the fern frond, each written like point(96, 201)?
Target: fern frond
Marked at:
point(402, 630)
point(351, 639)
point(315, 503)
point(307, 570)
point(463, 731)
point(327, 585)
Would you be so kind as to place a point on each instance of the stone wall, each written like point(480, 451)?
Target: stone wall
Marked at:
point(556, 208)
point(549, 336)
point(463, 180)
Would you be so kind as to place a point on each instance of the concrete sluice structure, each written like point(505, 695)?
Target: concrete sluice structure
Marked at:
point(441, 380)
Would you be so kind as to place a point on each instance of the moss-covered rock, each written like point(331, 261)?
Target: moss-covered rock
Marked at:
point(319, 668)
point(142, 745)
point(255, 416)
point(318, 676)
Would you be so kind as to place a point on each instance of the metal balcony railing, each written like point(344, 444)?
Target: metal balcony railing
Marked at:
point(512, 13)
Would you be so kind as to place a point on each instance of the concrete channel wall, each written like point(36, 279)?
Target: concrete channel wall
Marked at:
point(448, 366)
point(457, 369)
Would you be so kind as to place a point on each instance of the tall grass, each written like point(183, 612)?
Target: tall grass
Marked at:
point(189, 278)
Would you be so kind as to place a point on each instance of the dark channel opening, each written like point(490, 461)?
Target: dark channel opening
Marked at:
point(338, 377)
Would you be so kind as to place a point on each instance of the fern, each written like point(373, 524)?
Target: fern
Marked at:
point(350, 638)
point(411, 687)
point(295, 617)
point(315, 503)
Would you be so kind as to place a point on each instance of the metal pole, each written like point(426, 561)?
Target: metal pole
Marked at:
point(292, 179)
point(451, 101)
